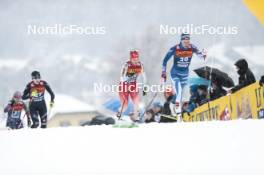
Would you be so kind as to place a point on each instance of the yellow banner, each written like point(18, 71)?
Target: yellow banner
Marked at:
point(245, 103)
point(256, 7)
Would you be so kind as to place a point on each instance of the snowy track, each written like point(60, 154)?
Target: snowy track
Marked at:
point(218, 148)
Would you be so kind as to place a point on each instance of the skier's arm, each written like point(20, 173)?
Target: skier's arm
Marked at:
point(25, 108)
point(52, 96)
point(27, 114)
point(8, 106)
point(200, 54)
point(26, 92)
point(123, 73)
point(165, 61)
point(144, 78)
point(167, 58)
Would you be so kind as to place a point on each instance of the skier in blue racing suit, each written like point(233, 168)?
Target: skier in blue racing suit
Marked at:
point(182, 54)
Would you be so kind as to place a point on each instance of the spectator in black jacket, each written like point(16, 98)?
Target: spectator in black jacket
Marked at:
point(246, 77)
point(153, 114)
point(166, 110)
point(192, 104)
point(217, 89)
point(261, 81)
point(168, 95)
point(202, 95)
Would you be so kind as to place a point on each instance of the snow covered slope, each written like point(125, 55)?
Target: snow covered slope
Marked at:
point(206, 148)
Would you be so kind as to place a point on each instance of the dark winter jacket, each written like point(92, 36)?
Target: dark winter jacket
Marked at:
point(155, 116)
point(217, 93)
point(193, 99)
point(166, 107)
point(246, 77)
point(152, 118)
point(167, 111)
point(202, 99)
point(217, 90)
point(261, 81)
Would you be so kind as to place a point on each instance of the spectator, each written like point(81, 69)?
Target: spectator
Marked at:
point(246, 77)
point(153, 114)
point(191, 105)
point(217, 89)
point(202, 95)
point(159, 113)
point(168, 106)
point(168, 95)
point(261, 81)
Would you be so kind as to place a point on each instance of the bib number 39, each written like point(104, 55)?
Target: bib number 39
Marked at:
point(183, 59)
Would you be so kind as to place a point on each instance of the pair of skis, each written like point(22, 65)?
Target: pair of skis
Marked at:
point(121, 123)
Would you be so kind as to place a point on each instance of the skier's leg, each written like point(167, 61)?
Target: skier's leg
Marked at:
point(43, 114)
point(12, 123)
point(123, 96)
point(34, 115)
point(184, 82)
point(8, 121)
point(178, 91)
point(134, 95)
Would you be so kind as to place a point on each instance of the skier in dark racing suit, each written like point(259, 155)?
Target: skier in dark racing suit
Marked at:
point(14, 110)
point(35, 91)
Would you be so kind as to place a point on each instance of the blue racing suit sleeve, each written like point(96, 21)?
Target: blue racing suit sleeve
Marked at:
point(167, 58)
point(198, 52)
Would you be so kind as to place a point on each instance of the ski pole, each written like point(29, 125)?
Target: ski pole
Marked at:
point(151, 101)
point(21, 122)
point(208, 91)
point(121, 111)
point(50, 109)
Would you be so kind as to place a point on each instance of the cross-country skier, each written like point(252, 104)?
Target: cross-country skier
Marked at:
point(14, 110)
point(35, 91)
point(182, 54)
point(128, 84)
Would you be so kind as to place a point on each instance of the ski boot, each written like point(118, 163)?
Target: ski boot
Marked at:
point(179, 117)
point(176, 111)
point(118, 115)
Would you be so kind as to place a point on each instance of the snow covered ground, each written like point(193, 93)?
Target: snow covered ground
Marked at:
point(206, 148)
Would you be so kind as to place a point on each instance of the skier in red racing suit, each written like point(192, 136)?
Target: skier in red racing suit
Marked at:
point(128, 84)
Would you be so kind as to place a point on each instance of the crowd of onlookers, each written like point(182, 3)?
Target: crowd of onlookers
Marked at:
point(200, 94)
